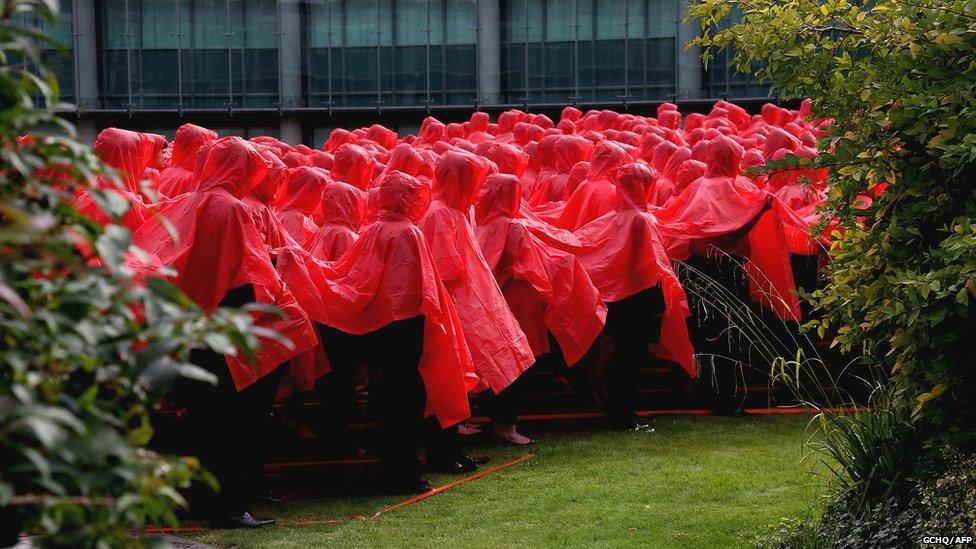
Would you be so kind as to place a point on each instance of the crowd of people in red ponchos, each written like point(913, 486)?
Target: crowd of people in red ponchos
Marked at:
point(447, 262)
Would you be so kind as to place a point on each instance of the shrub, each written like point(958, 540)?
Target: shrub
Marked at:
point(87, 346)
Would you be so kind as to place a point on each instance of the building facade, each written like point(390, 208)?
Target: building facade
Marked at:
point(298, 68)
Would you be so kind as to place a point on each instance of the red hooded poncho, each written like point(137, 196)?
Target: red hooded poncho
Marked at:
point(718, 204)
point(298, 200)
point(547, 289)
point(129, 153)
point(343, 214)
point(180, 176)
point(406, 159)
point(262, 195)
point(219, 248)
point(567, 151)
point(664, 186)
point(498, 347)
point(389, 275)
point(623, 254)
point(596, 195)
point(354, 165)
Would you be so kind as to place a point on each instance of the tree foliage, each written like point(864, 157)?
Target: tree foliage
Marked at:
point(87, 346)
point(897, 79)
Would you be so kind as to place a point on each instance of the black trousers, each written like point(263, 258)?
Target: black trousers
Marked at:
point(504, 407)
point(229, 427)
point(632, 323)
point(393, 354)
point(337, 390)
point(722, 354)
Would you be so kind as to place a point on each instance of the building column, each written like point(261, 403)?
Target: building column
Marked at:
point(290, 53)
point(290, 130)
point(87, 130)
point(689, 85)
point(489, 52)
point(85, 54)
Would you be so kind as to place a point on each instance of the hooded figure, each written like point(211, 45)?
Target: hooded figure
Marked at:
point(717, 204)
point(386, 276)
point(262, 194)
point(624, 256)
point(219, 249)
point(508, 158)
point(180, 176)
point(129, 154)
point(353, 165)
point(547, 289)
point(498, 347)
point(298, 200)
point(596, 195)
point(384, 304)
point(343, 214)
point(664, 186)
point(567, 151)
point(406, 159)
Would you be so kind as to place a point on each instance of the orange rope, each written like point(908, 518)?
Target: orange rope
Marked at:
point(480, 474)
point(317, 522)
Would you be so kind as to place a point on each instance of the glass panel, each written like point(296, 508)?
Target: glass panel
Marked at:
point(411, 22)
point(609, 62)
point(461, 22)
point(559, 65)
point(662, 19)
point(260, 22)
point(411, 65)
point(609, 19)
point(362, 23)
point(459, 70)
point(560, 20)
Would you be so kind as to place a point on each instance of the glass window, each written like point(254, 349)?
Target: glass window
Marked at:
point(165, 54)
point(615, 55)
point(355, 72)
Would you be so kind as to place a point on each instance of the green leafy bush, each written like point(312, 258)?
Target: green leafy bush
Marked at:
point(949, 499)
point(895, 78)
point(86, 346)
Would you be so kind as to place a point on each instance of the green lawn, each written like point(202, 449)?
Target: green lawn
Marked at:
point(695, 481)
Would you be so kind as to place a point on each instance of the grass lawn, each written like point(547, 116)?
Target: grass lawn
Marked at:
point(695, 481)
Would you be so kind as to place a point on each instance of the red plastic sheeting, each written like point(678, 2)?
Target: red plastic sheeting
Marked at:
point(498, 233)
point(220, 248)
point(389, 274)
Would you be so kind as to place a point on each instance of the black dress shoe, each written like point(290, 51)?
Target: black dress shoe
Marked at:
point(244, 520)
point(453, 466)
point(473, 460)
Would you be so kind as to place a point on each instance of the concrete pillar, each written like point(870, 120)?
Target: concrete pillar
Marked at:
point(489, 52)
point(87, 131)
point(290, 52)
point(85, 54)
point(291, 130)
point(689, 61)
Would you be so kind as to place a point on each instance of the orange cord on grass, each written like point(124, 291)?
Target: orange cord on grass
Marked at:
point(318, 522)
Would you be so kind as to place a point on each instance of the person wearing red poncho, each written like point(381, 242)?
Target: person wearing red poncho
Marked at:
point(296, 203)
point(130, 154)
point(624, 256)
point(547, 290)
point(499, 349)
point(596, 195)
point(384, 301)
point(180, 176)
point(220, 259)
point(498, 346)
point(718, 204)
point(343, 209)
